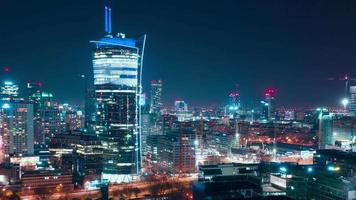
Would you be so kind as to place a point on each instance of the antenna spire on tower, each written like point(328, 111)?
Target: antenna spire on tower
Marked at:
point(107, 20)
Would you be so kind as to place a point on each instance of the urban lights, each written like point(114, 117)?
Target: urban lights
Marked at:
point(333, 168)
point(345, 102)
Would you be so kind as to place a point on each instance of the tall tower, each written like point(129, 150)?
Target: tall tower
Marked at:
point(234, 105)
point(156, 97)
point(117, 65)
point(325, 135)
point(16, 128)
point(353, 100)
point(269, 99)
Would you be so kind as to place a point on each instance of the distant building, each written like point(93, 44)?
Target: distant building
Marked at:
point(181, 111)
point(175, 151)
point(234, 104)
point(9, 91)
point(74, 120)
point(353, 100)
point(48, 123)
point(34, 92)
point(152, 150)
point(180, 106)
point(81, 153)
point(16, 128)
point(268, 104)
point(90, 110)
point(147, 123)
point(45, 114)
point(156, 97)
point(344, 129)
point(325, 129)
point(47, 181)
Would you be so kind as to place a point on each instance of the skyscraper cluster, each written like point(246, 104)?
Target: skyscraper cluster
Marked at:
point(235, 150)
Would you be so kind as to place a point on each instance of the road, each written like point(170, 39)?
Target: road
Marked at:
point(141, 185)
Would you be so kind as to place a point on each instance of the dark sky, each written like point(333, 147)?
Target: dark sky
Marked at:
point(200, 48)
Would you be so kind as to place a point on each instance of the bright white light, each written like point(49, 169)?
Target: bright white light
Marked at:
point(196, 142)
point(345, 102)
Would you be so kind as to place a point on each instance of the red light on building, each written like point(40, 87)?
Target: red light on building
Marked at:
point(7, 69)
point(234, 94)
point(270, 92)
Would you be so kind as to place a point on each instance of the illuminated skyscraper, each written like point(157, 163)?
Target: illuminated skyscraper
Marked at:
point(117, 65)
point(180, 106)
point(16, 128)
point(9, 90)
point(269, 109)
point(156, 97)
point(47, 121)
point(353, 100)
point(325, 135)
point(90, 108)
point(234, 104)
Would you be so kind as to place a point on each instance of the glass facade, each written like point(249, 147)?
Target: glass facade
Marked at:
point(116, 63)
point(16, 129)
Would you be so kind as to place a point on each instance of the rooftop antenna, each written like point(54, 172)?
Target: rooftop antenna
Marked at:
point(108, 20)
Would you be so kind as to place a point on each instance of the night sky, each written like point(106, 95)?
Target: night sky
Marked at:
point(200, 48)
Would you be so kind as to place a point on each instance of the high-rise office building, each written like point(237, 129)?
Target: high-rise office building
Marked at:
point(117, 65)
point(48, 123)
point(269, 107)
point(46, 115)
point(16, 128)
point(156, 97)
point(353, 100)
point(173, 152)
point(234, 104)
point(180, 106)
point(325, 128)
point(9, 90)
point(90, 110)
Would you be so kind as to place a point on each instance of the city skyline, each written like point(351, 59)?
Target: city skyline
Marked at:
point(256, 45)
point(183, 100)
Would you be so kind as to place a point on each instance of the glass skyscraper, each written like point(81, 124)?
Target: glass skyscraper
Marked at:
point(156, 97)
point(117, 65)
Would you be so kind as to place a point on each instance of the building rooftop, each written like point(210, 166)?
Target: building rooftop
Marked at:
point(32, 173)
point(115, 41)
point(348, 156)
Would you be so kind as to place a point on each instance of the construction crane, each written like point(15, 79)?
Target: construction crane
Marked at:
point(347, 78)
